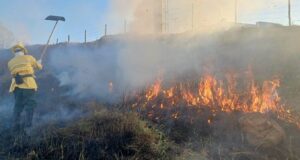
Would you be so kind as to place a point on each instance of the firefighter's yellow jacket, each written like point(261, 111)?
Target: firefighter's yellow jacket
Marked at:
point(23, 65)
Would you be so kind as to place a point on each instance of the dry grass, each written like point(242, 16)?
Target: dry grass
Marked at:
point(106, 135)
point(223, 139)
point(113, 135)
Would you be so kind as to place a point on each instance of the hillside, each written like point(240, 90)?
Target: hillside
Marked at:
point(147, 95)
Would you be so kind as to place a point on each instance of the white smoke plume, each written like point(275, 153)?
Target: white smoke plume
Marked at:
point(176, 16)
point(6, 37)
point(129, 63)
point(133, 61)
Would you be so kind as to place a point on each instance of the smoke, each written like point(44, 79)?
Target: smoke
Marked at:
point(6, 37)
point(5, 112)
point(132, 62)
point(114, 65)
point(177, 16)
point(127, 62)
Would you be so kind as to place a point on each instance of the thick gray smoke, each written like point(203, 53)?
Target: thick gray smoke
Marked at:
point(132, 62)
point(126, 62)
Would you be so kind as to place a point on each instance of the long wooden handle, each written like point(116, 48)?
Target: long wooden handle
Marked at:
point(45, 48)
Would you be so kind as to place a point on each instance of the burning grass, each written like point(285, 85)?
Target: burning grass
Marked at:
point(231, 93)
point(199, 113)
point(204, 114)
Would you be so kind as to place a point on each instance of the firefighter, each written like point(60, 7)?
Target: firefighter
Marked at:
point(22, 67)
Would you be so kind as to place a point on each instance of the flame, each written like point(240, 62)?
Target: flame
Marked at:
point(217, 95)
point(154, 90)
point(209, 121)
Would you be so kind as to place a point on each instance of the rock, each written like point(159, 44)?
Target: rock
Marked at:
point(261, 131)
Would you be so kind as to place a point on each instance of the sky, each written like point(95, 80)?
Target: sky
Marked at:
point(274, 11)
point(25, 18)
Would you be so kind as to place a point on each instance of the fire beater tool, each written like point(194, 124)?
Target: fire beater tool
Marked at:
point(56, 19)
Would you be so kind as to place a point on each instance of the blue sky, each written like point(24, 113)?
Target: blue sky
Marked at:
point(275, 11)
point(25, 18)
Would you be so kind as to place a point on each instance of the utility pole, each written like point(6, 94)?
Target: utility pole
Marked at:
point(289, 12)
point(166, 16)
point(161, 17)
point(84, 36)
point(56, 40)
point(193, 17)
point(68, 38)
point(125, 26)
point(105, 30)
point(236, 11)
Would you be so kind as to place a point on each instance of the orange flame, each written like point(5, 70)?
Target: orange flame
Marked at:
point(154, 90)
point(218, 95)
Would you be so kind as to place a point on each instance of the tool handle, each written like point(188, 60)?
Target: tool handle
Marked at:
point(46, 47)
